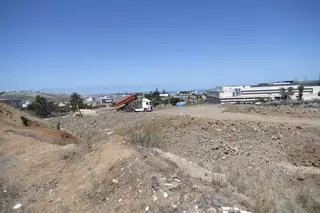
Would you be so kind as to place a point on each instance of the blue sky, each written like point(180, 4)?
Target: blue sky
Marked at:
point(99, 46)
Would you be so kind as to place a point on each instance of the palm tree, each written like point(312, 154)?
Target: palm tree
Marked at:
point(290, 91)
point(282, 93)
point(300, 88)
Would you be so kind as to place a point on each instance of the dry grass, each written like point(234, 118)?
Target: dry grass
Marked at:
point(237, 180)
point(261, 193)
point(264, 198)
point(265, 195)
point(146, 137)
point(219, 180)
point(309, 198)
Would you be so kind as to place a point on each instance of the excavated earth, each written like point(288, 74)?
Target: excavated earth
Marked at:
point(193, 159)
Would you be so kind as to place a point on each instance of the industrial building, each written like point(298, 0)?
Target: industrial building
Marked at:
point(265, 91)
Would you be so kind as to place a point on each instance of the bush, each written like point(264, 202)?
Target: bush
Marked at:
point(76, 101)
point(146, 137)
point(41, 107)
point(174, 100)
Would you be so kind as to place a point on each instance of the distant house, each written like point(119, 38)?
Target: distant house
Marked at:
point(186, 93)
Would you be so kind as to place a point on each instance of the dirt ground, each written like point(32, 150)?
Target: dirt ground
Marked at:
point(281, 110)
point(201, 158)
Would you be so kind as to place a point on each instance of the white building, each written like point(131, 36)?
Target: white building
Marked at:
point(253, 93)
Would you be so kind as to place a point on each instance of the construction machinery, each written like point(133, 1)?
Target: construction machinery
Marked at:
point(124, 102)
point(131, 103)
point(145, 106)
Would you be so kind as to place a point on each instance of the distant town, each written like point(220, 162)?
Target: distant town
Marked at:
point(254, 94)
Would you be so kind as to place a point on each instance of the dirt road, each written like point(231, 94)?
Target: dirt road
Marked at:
point(217, 112)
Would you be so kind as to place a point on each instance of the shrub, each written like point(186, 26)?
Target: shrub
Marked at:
point(41, 107)
point(146, 137)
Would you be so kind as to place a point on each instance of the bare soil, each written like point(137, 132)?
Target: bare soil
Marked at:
point(190, 159)
point(281, 110)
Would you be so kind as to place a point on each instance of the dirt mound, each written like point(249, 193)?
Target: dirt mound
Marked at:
point(308, 156)
point(292, 111)
point(161, 163)
point(19, 118)
point(18, 122)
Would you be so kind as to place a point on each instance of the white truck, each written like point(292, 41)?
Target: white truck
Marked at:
point(145, 106)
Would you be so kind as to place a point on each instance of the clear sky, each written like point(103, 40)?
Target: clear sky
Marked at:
point(138, 45)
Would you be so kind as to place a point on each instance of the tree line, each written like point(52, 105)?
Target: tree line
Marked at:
point(41, 107)
point(286, 94)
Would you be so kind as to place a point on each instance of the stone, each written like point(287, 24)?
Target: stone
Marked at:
point(211, 210)
point(154, 182)
point(226, 208)
point(174, 206)
point(17, 206)
point(155, 198)
point(165, 194)
point(146, 209)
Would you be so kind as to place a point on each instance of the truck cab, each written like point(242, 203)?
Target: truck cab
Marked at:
point(145, 106)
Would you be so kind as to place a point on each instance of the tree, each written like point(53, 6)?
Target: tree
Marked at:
point(300, 88)
point(41, 107)
point(76, 101)
point(290, 91)
point(156, 93)
point(283, 93)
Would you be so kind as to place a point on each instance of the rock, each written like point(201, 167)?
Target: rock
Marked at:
point(211, 210)
point(154, 182)
point(176, 180)
point(115, 181)
point(226, 208)
point(215, 147)
point(155, 198)
point(146, 209)
point(17, 206)
point(174, 206)
point(299, 127)
point(165, 194)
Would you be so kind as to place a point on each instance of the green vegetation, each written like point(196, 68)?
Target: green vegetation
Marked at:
point(290, 91)
point(76, 101)
point(157, 100)
point(41, 107)
point(286, 94)
point(300, 88)
point(283, 94)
